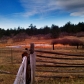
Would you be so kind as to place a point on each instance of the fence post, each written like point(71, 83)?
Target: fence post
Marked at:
point(32, 62)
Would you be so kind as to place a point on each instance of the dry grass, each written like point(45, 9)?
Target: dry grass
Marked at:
point(7, 65)
point(10, 60)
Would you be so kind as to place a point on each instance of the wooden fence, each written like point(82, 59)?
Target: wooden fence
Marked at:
point(52, 64)
point(49, 64)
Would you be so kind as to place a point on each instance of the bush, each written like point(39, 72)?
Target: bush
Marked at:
point(65, 41)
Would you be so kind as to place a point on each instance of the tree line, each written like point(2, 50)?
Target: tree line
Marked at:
point(54, 30)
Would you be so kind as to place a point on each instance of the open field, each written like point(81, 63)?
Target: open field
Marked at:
point(10, 60)
point(36, 41)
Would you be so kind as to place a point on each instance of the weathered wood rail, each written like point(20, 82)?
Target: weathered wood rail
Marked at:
point(52, 64)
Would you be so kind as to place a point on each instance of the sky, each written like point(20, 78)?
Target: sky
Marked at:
point(14, 13)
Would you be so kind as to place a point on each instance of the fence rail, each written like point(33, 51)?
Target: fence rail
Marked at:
point(59, 62)
point(51, 52)
point(59, 65)
point(51, 57)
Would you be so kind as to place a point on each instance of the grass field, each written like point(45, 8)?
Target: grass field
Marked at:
point(10, 60)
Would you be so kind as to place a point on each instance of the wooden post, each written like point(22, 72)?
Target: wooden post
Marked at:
point(31, 48)
point(32, 62)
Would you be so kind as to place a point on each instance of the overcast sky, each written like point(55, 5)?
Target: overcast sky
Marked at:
point(14, 13)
